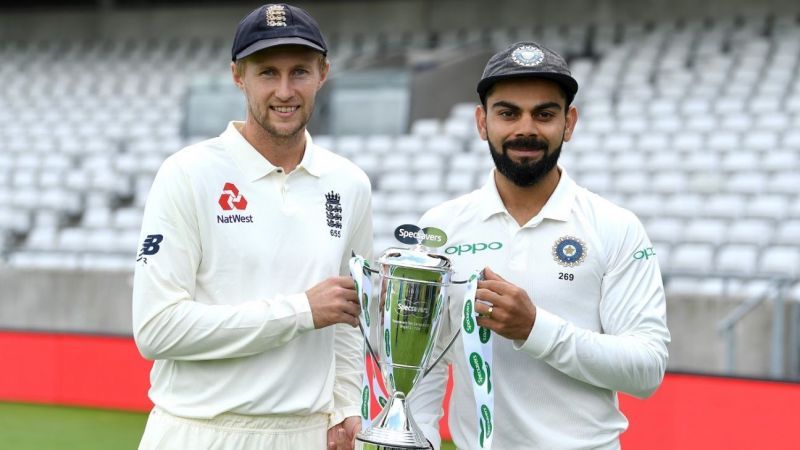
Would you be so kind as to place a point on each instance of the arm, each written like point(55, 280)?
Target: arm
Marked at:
point(629, 355)
point(167, 322)
point(348, 343)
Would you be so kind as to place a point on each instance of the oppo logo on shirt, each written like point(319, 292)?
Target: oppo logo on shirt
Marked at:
point(473, 248)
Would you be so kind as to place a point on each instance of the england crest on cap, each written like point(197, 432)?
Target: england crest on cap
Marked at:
point(527, 56)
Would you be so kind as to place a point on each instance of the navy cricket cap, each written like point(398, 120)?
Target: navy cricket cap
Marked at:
point(527, 59)
point(276, 24)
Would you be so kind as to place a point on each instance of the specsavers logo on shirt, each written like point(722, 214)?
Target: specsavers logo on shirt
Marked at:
point(473, 248)
point(232, 199)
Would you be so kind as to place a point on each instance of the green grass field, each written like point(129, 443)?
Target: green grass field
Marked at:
point(42, 427)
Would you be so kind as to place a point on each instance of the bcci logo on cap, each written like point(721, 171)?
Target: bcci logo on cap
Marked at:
point(527, 56)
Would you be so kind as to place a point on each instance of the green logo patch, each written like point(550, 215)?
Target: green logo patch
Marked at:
point(469, 320)
point(478, 372)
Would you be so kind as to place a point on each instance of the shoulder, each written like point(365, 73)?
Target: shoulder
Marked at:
point(341, 168)
point(199, 155)
point(610, 221)
point(458, 210)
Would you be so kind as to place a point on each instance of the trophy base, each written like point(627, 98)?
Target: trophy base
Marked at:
point(393, 429)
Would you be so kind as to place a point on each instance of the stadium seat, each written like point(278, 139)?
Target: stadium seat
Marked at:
point(737, 259)
point(781, 260)
point(694, 258)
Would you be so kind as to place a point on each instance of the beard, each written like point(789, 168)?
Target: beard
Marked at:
point(526, 172)
point(279, 132)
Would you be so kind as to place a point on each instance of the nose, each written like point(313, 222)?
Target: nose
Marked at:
point(526, 127)
point(284, 92)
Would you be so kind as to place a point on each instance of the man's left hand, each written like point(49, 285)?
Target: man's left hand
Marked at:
point(504, 307)
point(343, 436)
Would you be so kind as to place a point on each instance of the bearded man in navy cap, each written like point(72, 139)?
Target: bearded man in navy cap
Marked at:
point(571, 309)
point(239, 291)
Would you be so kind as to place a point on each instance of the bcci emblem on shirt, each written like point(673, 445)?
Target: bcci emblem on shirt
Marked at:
point(569, 251)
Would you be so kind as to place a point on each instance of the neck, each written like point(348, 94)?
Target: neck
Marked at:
point(281, 151)
point(525, 202)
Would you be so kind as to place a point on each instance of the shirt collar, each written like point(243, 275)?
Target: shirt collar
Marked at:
point(255, 166)
point(558, 206)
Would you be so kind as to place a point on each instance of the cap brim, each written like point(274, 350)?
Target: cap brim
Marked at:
point(568, 83)
point(267, 43)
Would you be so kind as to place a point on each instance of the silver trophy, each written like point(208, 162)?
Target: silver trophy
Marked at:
point(413, 295)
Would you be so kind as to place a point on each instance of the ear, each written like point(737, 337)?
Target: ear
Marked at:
point(480, 122)
point(323, 76)
point(237, 77)
point(572, 119)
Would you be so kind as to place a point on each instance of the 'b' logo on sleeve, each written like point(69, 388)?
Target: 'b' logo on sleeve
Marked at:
point(150, 247)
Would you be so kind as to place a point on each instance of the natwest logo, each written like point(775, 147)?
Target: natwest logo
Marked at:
point(231, 198)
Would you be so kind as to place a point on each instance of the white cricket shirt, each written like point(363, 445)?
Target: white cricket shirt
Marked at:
point(230, 243)
point(600, 328)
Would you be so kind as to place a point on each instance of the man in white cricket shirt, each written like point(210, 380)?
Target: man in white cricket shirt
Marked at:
point(239, 291)
point(572, 289)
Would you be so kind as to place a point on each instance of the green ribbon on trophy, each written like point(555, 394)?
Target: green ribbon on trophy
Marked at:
point(363, 285)
point(478, 353)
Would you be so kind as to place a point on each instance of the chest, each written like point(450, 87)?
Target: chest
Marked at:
point(559, 265)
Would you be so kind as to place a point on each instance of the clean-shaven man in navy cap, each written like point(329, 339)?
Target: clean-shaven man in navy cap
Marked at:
point(572, 306)
point(240, 294)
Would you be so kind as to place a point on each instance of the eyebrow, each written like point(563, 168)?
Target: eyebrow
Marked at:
point(505, 104)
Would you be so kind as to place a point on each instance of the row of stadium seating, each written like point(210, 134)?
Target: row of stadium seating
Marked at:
point(693, 125)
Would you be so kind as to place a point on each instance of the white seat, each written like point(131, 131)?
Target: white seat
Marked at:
point(379, 143)
point(350, 145)
point(654, 142)
point(458, 182)
point(626, 162)
point(130, 218)
point(396, 181)
point(697, 161)
point(767, 207)
point(780, 160)
point(746, 183)
point(593, 162)
point(750, 231)
point(689, 257)
point(598, 182)
point(427, 162)
point(664, 229)
point(788, 232)
point(666, 161)
point(96, 218)
point(724, 141)
point(425, 127)
point(737, 259)
point(728, 206)
point(705, 230)
point(683, 205)
point(632, 182)
point(409, 144)
point(426, 181)
point(688, 142)
point(645, 205)
point(740, 161)
point(780, 260)
point(784, 182)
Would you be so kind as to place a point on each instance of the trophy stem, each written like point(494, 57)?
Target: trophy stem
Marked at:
point(394, 428)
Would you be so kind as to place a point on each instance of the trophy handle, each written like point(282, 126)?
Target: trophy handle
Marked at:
point(481, 276)
point(444, 352)
point(368, 272)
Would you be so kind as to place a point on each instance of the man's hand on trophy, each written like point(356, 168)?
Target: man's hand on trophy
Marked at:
point(504, 307)
point(333, 301)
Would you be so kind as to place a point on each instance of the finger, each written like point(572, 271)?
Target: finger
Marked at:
point(487, 296)
point(346, 282)
point(482, 307)
point(492, 324)
point(490, 274)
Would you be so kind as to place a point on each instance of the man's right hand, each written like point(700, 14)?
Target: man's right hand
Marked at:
point(333, 301)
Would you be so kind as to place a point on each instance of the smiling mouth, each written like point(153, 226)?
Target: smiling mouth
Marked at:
point(284, 109)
